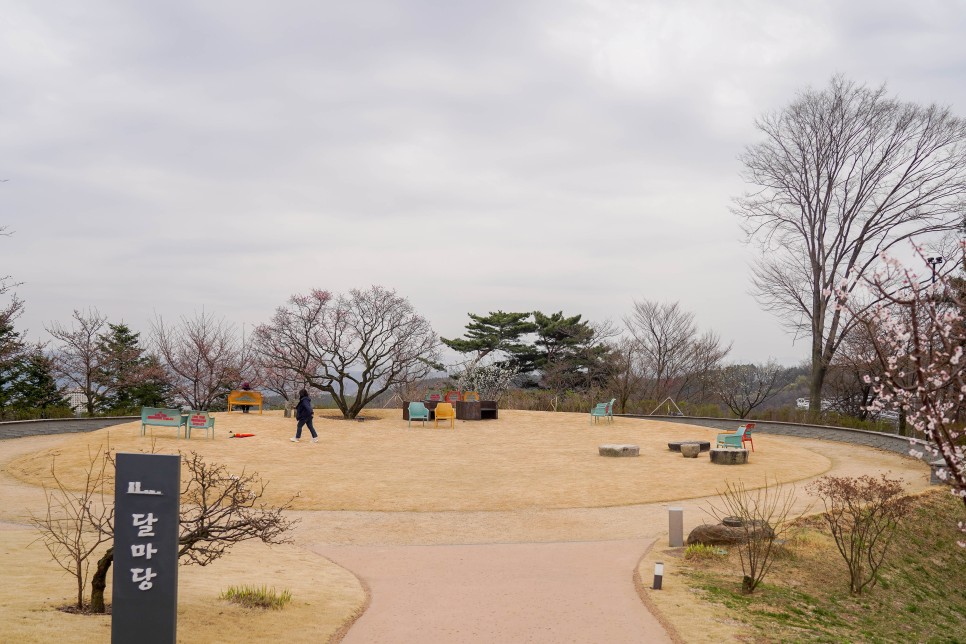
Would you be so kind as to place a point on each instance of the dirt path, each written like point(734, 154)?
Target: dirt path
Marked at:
point(547, 593)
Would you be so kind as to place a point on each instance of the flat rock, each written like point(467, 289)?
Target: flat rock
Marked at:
point(729, 456)
point(619, 450)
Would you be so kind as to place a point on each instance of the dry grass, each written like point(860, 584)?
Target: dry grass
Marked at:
point(486, 482)
point(324, 596)
point(523, 460)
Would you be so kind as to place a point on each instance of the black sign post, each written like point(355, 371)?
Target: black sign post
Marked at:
point(146, 505)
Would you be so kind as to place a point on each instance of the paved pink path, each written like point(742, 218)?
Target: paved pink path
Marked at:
point(528, 592)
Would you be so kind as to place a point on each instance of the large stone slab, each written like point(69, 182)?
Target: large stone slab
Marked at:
point(729, 456)
point(619, 450)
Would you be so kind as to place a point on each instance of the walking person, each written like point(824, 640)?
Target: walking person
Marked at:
point(303, 414)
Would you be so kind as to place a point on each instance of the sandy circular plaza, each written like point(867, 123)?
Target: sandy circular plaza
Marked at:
point(368, 491)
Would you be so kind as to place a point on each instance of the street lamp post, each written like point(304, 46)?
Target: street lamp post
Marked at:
point(933, 263)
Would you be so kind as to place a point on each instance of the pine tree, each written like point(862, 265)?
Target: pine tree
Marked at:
point(12, 353)
point(132, 378)
point(497, 331)
point(35, 387)
point(567, 353)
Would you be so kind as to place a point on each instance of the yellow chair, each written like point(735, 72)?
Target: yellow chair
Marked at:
point(444, 411)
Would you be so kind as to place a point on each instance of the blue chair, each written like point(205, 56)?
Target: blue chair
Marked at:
point(418, 411)
point(732, 440)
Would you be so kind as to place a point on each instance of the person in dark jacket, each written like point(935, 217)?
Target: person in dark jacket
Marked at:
point(303, 414)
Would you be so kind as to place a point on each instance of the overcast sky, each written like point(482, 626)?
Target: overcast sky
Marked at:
point(515, 155)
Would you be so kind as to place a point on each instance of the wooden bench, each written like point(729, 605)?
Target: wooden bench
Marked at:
point(245, 398)
point(163, 418)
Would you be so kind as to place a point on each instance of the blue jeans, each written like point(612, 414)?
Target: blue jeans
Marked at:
point(298, 428)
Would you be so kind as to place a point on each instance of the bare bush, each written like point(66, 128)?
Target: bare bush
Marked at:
point(218, 510)
point(863, 514)
point(763, 513)
point(76, 523)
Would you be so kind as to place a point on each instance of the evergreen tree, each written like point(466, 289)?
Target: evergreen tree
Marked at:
point(567, 352)
point(12, 353)
point(153, 388)
point(133, 379)
point(35, 386)
point(497, 331)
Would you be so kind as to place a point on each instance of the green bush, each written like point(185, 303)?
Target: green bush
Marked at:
point(256, 596)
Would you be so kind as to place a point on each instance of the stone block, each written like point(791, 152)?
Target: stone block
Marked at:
point(729, 456)
point(619, 450)
point(690, 450)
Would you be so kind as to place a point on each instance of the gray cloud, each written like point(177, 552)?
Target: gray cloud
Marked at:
point(475, 156)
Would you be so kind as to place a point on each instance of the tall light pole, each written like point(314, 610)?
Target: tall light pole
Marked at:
point(933, 263)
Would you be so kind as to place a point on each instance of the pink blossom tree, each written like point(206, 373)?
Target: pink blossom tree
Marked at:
point(918, 334)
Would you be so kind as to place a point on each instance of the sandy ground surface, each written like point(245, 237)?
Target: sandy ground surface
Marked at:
point(509, 506)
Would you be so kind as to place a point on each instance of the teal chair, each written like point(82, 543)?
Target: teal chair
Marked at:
point(418, 411)
point(732, 439)
point(603, 410)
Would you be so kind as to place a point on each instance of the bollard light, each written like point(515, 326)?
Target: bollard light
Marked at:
point(658, 575)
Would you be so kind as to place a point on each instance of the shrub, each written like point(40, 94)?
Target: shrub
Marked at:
point(257, 596)
point(863, 514)
point(764, 514)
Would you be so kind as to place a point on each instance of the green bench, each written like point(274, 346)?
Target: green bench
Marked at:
point(200, 420)
point(163, 418)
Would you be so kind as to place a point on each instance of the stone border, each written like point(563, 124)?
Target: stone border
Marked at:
point(23, 428)
point(889, 442)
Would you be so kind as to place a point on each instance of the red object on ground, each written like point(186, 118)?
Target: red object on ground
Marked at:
point(241, 435)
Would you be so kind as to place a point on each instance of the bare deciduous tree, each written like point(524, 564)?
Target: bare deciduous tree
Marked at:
point(627, 378)
point(76, 523)
point(742, 387)
point(203, 357)
point(354, 347)
point(79, 358)
point(218, 510)
point(5, 280)
point(677, 361)
point(842, 175)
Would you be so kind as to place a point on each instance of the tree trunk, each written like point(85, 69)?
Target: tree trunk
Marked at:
point(816, 382)
point(99, 581)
